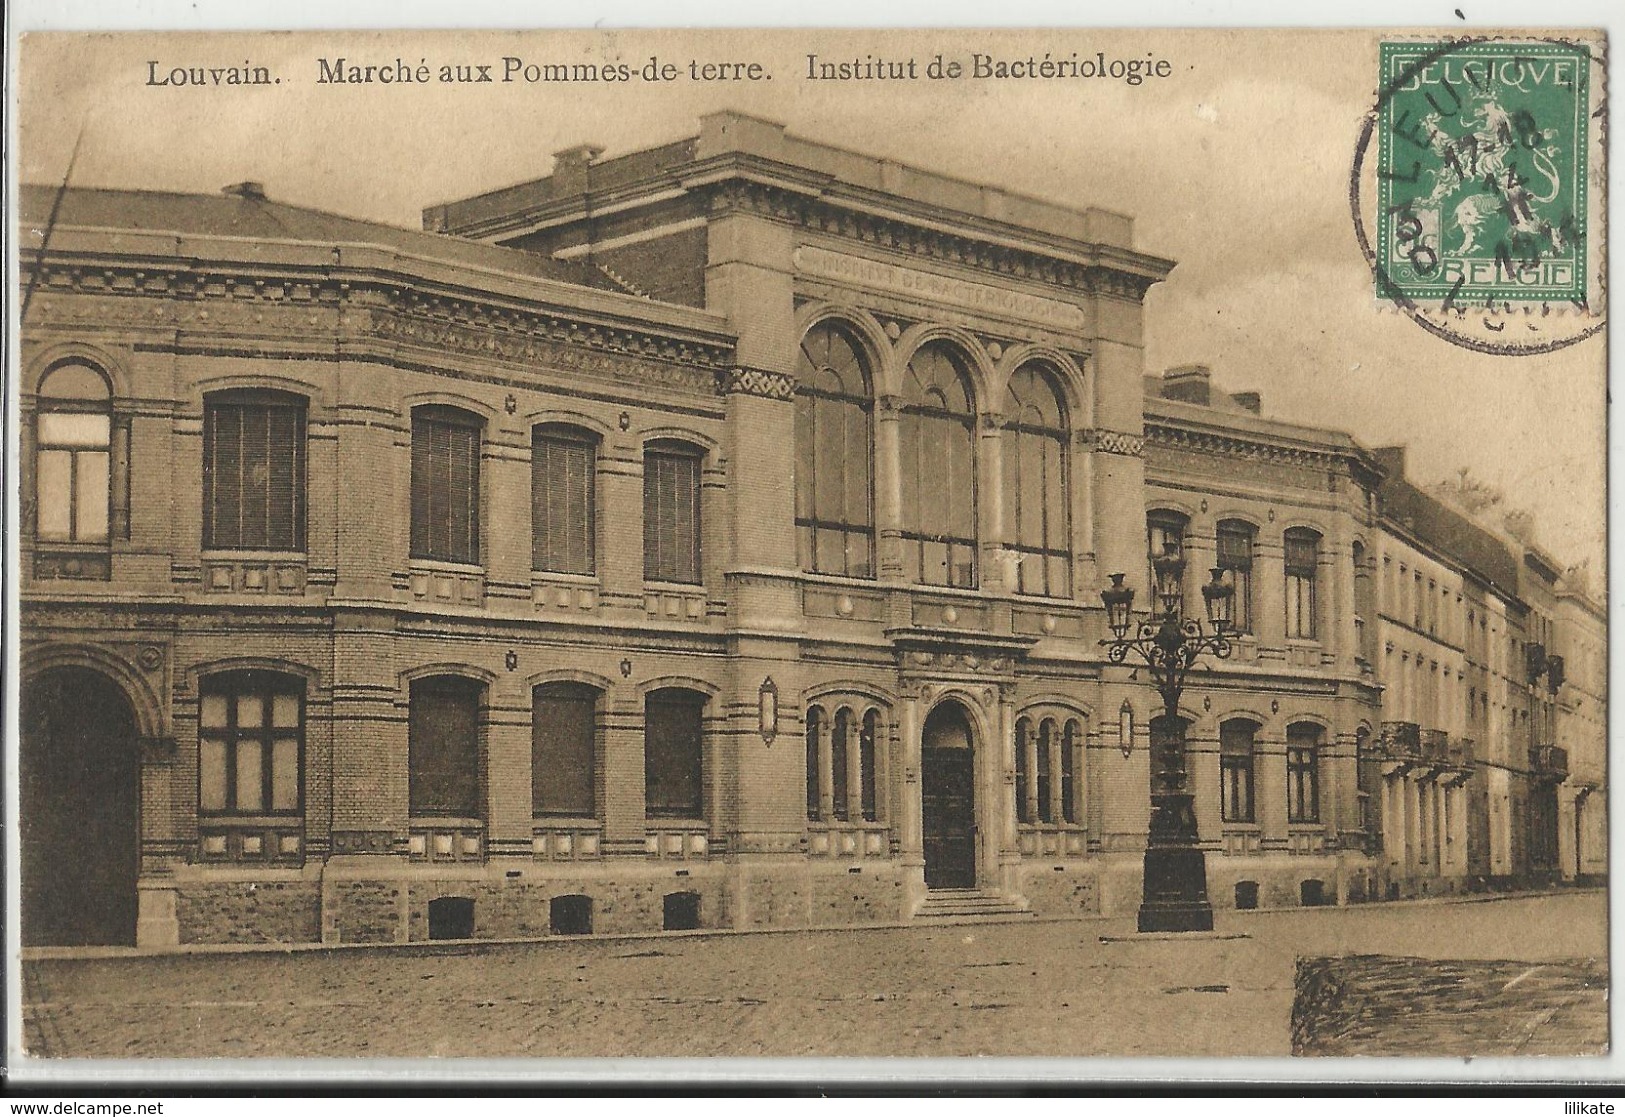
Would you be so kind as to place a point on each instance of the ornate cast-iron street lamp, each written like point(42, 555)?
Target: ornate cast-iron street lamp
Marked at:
point(1175, 896)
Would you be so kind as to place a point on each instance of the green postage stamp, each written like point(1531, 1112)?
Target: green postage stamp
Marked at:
point(1482, 173)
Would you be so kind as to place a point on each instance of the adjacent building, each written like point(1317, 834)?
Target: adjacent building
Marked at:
point(712, 536)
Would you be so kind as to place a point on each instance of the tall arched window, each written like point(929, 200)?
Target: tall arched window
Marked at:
point(1026, 760)
point(1303, 741)
point(938, 437)
point(1235, 560)
point(563, 468)
point(443, 747)
point(1036, 483)
point(1302, 557)
point(834, 489)
point(673, 753)
point(671, 512)
point(840, 749)
point(73, 455)
point(1165, 534)
point(815, 728)
point(564, 749)
point(1071, 765)
point(254, 471)
point(1236, 770)
point(446, 484)
point(842, 753)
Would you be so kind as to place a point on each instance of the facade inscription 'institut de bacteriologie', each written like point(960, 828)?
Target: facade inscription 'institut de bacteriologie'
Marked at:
point(714, 536)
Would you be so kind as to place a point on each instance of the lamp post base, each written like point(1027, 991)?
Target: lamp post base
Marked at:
point(1175, 896)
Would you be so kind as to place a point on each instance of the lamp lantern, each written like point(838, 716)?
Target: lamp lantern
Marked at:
point(1119, 602)
point(1220, 599)
point(1169, 569)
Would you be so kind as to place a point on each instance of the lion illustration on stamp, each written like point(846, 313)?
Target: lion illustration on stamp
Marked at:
point(1482, 171)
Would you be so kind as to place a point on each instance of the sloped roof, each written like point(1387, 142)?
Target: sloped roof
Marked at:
point(260, 219)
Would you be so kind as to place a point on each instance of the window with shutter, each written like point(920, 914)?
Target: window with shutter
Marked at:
point(671, 513)
point(673, 754)
point(254, 471)
point(443, 746)
point(563, 465)
point(564, 750)
point(445, 484)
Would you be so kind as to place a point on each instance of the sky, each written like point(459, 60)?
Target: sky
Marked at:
point(1236, 165)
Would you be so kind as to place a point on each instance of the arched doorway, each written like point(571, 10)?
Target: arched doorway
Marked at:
point(80, 768)
point(948, 798)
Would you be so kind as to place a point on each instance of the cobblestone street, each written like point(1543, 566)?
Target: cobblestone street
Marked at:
point(1051, 988)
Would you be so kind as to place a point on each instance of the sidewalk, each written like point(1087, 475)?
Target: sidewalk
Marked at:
point(1052, 988)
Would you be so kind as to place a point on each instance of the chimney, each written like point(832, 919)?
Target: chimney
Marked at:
point(1190, 383)
point(570, 168)
point(1248, 401)
point(1392, 460)
point(251, 191)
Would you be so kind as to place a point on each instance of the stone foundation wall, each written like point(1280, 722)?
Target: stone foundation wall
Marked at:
point(505, 909)
point(248, 911)
point(1280, 880)
point(1074, 890)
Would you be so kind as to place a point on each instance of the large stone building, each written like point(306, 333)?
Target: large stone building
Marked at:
point(709, 536)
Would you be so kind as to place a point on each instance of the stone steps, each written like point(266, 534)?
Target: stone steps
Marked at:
point(969, 905)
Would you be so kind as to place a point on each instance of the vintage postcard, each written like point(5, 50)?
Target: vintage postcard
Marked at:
point(771, 543)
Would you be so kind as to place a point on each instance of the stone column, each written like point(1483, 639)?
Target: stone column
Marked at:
point(888, 489)
point(911, 838)
point(990, 505)
point(1028, 744)
point(1055, 774)
point(853, 791)
point(1006, 857)
point(826, 768)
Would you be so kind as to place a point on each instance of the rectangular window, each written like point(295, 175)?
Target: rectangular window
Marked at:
point(1236, 771)
point(250, 742)
point(564, 749)
point(562, 477)
point(253, 472)
point(1235, 559)
point(672, 755)
point(72, 476)
point(443, 747)
point(1302, 554)
point(445, 485)
point(1302, 778)
point(671, 516)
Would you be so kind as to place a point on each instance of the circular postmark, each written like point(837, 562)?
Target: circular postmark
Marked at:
point(1476, 190)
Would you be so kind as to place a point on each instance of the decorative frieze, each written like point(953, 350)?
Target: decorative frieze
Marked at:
point(761, 382)
point(1114, 442)
point(1168, 437)
point(900, 236)
point(396, 313)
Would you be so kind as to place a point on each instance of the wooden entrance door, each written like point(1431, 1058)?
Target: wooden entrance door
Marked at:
point(948, 799)
point(77, 811)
